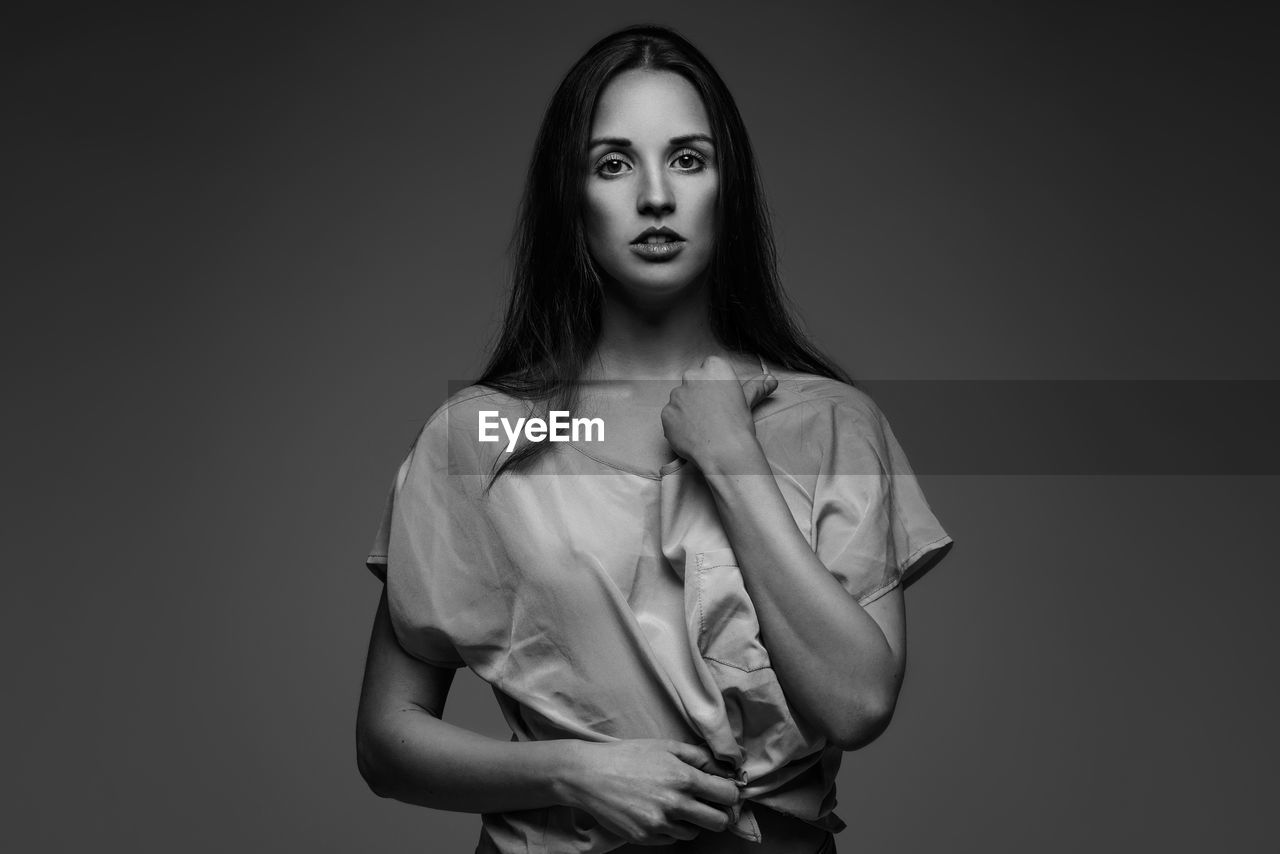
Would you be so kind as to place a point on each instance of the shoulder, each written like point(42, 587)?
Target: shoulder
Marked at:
point(466, 404)
point(813, 424)
point(802, 396)
point(463, 411)
point(451, 431)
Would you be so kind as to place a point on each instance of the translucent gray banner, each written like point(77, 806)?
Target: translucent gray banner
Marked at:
point(946, 427)
point(1090, 427)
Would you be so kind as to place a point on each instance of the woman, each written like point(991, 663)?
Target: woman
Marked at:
point(687, 619)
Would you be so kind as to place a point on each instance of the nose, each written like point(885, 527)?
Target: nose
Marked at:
point(656, 198)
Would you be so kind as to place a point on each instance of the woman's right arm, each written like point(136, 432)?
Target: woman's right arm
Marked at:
point(406, 752)
point(641, 789)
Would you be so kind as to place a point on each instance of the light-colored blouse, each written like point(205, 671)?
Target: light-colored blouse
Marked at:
point(602, 601)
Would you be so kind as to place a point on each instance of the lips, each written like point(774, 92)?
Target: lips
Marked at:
point(654, 236)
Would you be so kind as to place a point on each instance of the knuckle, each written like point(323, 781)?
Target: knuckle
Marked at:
point(654, 818)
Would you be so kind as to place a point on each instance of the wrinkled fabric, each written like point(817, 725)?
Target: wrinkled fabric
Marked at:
point(603, 602)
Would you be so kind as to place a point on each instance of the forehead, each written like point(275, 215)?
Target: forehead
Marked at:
point(640, 104)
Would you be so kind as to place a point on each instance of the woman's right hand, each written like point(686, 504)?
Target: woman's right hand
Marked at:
point(652, 791)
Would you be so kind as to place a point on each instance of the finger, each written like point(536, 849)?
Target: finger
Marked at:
point(681, 830)
point(702, 759)
point(758, 388)
point(713, 789)
point(691, 754)
point(705, 816)
point(764, 385)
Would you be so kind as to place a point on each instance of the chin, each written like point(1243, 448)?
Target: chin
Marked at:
point(659, 285)
point(666, 278)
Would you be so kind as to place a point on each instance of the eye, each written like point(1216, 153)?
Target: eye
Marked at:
point(605, 166)
point(688, 160)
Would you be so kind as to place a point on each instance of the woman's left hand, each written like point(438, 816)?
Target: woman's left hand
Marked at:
point(709, 414)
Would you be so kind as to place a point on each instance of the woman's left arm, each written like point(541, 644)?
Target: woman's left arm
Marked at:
point(840, 664)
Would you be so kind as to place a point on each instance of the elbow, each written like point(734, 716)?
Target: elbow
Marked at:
point(369, 774)
point(863, 724)
point(371, 762)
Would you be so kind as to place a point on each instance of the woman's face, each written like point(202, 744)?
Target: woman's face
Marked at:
point(651, 166)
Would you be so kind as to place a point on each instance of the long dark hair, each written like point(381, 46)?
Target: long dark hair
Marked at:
point(552, 323)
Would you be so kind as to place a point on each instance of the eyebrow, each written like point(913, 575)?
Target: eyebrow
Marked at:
point(675, 140)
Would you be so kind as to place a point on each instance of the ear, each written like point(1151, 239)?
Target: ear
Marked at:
point(758, 388)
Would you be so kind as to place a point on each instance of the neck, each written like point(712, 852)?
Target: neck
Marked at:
point(655, 341)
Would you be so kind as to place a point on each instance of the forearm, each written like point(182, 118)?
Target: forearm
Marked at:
point(831, 657)
point(415, 757)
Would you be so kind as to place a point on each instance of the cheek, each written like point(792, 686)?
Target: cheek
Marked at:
point(706, 205)
point(598, 217)
point(707, 211)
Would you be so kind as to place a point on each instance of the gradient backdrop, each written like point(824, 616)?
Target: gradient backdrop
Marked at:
point(249, 245)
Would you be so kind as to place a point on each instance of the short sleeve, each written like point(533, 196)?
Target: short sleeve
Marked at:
point(376, 561)
point(438, 555)
point(873, 527)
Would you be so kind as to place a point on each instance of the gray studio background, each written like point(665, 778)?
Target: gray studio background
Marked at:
point(250, 246)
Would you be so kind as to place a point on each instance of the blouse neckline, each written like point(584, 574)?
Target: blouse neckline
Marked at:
point(669, 467)
point(663, 470)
